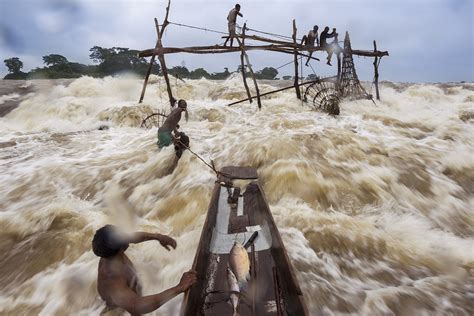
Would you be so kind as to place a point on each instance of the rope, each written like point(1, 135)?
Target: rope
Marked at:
point(226, 33)
point(192, 152)
point(285, 64)
point(290, 62)
point(199, 28)
point(211, 166)
point(273, 34)
point(314, 72)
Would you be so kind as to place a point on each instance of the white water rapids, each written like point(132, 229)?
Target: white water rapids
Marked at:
point(376, 206)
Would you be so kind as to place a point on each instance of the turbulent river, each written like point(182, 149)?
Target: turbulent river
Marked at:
point(375, 206)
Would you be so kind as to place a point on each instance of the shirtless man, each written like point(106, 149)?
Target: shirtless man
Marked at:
point(231, 21)
point(117, 282)
point(165, 138)
point(310, 40)
point(329, 47)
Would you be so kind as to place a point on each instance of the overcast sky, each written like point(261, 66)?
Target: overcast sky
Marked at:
point(428, 40)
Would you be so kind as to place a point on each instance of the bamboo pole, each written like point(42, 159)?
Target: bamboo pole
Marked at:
point(244, 75)
point(376, 73)
point(273, 91)
point(297, 89)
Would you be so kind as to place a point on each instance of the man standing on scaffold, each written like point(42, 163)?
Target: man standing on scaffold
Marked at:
point(232, 18)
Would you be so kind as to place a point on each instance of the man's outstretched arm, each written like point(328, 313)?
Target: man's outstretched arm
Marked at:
point(122, 296)
point(165, 241)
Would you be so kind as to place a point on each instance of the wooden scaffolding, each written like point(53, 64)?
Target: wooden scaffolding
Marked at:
point(324, 93)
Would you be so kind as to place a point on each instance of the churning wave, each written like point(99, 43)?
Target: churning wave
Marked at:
point(376, 206)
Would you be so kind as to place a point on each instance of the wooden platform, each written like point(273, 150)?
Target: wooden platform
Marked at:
point(274, 43)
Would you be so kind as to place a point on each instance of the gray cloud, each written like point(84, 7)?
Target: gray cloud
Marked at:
point(428, 40)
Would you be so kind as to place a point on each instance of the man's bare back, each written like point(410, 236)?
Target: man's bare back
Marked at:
point(172, 120)
point(117, 281)
point(119, 269)
point(174, 117)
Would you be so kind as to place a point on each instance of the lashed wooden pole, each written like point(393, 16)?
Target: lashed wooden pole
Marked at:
point(376, 73)
point(339, 64)
point(257, 90)
point(244, 75)
point(297, 88)
point(161, 56)
point(274, 91)
point(150, 67)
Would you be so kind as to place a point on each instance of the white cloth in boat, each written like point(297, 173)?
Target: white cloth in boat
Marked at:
point(222, 242)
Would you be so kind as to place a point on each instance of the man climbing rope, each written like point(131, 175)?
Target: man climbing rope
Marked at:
point(309, 41)
point(231, 20)
point(165, 137)
point(328, 47)
point(117, 282)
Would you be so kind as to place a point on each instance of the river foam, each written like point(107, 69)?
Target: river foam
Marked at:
point(375, 206)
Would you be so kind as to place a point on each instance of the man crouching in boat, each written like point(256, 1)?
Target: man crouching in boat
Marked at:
point(117, 282)
point(165, 138)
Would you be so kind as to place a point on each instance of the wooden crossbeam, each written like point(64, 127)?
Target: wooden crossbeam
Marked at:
point(368, 53)
point(215, 49)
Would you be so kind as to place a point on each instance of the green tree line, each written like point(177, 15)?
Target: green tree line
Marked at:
point(113, 61)
point(110, 61)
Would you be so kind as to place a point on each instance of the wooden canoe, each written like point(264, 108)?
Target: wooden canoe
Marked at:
point(236, 216)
